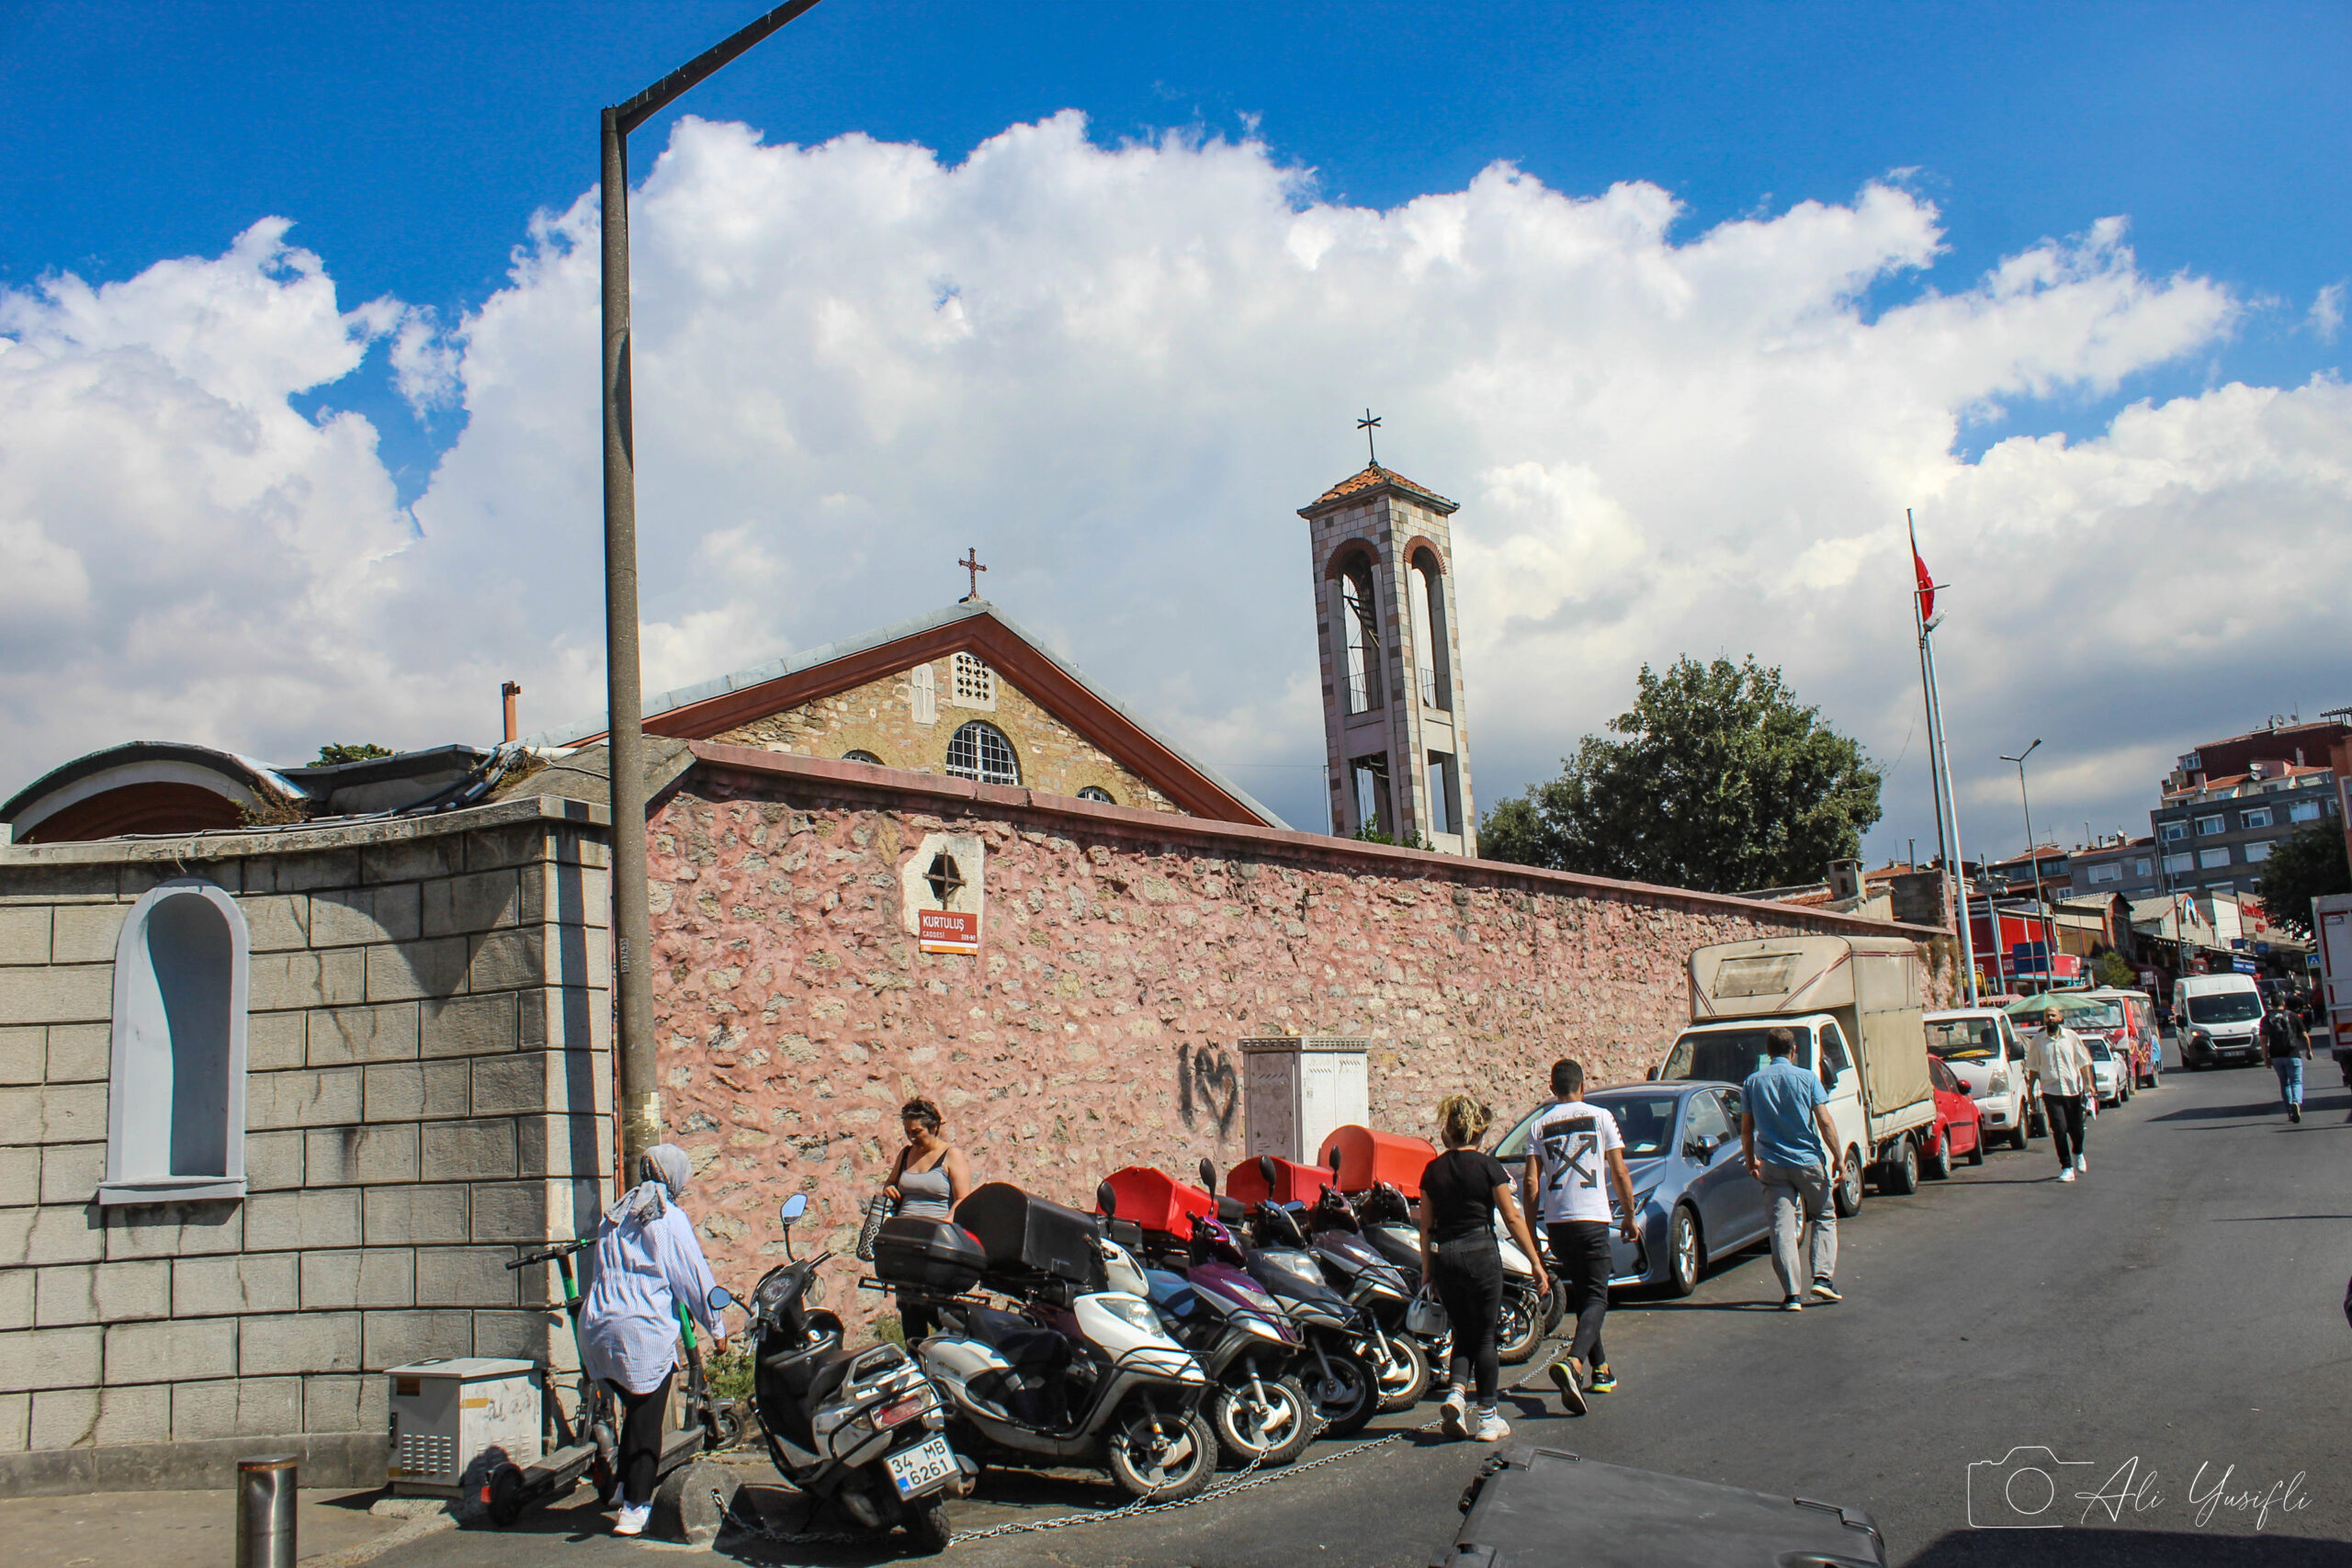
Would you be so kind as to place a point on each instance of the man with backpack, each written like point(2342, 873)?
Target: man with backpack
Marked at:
point(2288, 1045)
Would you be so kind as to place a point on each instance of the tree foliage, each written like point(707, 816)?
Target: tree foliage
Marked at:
point(1720, 780)
point(348, 751)
point(2308, 863)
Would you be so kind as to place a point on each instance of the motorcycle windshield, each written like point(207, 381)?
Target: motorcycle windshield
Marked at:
point(1293, 1274)
point(1238, 1288)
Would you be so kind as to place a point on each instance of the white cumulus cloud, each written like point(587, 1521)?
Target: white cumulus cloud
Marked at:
point(1118, 371)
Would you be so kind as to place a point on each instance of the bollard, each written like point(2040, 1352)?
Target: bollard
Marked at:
point(266, 1488)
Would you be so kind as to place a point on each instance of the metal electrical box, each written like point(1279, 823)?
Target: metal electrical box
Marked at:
point(1297, 1088)
point(447, 1414)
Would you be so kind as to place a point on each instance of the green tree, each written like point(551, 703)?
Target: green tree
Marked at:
point(2307, 865)
point(1720, 780)
point(359, 752)
point(2116, 970)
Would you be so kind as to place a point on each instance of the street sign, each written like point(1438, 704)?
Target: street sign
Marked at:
point(948, 931)
point(2246, 967)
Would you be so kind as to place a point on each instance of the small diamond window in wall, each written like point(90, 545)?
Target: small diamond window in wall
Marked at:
point(979, 750)
point(975, 682)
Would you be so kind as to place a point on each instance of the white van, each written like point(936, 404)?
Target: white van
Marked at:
point(2218, 1018)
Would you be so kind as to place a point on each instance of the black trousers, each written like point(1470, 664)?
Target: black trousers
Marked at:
point(916, 1321)
point(1580, 1247)
point(640, 1439)
point(2066, 1124)
point(1468, 1275)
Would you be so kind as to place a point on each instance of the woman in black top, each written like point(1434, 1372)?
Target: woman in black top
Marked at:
point(1460, 1192)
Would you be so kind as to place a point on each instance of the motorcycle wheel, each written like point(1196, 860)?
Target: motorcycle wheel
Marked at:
point(1405, 1379)
point(1347, 1399)
point(722, 1429)
point(1167, 1458)
point(1272, 1433)
point(927, 1525)
point(1523, 1325)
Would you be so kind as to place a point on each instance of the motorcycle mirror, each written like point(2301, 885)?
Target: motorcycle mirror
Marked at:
point(1106, 1200)
point(721, 1298)
point(1266, 1171)
point(1335, 1161)
point(792, 1208)
point(1208, 1174)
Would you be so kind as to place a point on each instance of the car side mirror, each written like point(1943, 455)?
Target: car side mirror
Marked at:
point(792, 1208)
point(720, 1299)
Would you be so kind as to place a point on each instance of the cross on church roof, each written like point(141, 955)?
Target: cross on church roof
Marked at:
point(971, 563)
point(1368, 424)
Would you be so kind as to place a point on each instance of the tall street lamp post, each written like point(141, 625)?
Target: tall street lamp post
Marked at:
point(2049, 932)
point(640, 1096)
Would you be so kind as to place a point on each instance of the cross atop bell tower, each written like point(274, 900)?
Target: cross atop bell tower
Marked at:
point(1394, 726)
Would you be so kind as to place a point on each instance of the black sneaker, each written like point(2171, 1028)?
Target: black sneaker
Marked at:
point(1822, 1291)
point(1793, 1304)
point(1567, 1376)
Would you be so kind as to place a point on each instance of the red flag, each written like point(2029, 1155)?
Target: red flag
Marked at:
point(1927, 586)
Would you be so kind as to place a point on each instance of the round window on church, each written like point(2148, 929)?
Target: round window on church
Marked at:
point(979, 750)
point(1096, 792)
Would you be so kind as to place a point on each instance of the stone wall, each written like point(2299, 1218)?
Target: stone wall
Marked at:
point(1123, 955)
point(428, 1084)
point(879, 718)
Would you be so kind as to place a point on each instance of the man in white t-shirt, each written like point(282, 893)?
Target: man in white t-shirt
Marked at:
point(1572, 1144)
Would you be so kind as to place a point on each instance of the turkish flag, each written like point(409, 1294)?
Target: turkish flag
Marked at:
point(1927, 586)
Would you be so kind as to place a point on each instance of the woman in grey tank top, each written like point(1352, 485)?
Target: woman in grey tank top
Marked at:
point(929, 1178)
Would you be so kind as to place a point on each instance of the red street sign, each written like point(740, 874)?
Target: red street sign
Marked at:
point(947, 930)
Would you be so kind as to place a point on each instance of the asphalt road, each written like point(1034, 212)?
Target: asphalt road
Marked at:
point(2171, 1326)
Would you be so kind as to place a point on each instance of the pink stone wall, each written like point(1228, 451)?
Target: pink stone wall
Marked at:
point(1123, 955)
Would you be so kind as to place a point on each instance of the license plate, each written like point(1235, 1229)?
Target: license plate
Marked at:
point(921, 1466)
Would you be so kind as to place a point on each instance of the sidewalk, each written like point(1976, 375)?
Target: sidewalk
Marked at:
point(175, 1530)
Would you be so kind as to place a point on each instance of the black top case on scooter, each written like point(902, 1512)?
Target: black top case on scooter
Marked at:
point(1532, 1505)
point(1031, 1242)
point(927, 1255)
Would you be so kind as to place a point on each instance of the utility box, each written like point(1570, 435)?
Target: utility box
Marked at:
point(447, 1414)
point(1297, 1088)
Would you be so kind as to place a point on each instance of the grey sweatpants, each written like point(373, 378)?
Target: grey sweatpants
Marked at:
point(1790, 1187)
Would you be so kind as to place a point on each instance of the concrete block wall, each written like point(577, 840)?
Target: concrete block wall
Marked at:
point(429, 1091)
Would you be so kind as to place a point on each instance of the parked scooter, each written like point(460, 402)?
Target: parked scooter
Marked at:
point(1338, 1371)
point(1376, 1288)
point(1083, 1373)
point(861, 1430)
point(1389, 1225)
point(1257, 1405)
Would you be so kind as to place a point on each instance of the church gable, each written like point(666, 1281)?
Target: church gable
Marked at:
point(934, 717)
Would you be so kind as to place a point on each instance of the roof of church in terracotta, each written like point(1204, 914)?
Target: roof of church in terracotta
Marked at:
point(1373, 477)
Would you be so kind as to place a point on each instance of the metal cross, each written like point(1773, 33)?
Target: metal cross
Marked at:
point(971, 563)
point(944, 877)
point(1368, 424)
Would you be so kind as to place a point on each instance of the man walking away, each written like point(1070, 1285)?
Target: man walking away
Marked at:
point(1573, 1142)
point(2288, 1045)
point(2060, 1064)
point(1785, 1131)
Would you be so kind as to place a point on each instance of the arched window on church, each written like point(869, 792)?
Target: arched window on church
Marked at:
point(1098, 794)
point(866, 757)
point(1360, 618)
point(175, 1105)
point(1432, 673)
point(978, 751)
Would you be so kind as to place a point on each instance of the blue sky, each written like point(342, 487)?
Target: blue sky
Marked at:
point(410, 146)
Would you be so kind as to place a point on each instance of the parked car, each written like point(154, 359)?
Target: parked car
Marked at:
point(1959, 1131)
point(1696, 1201)
point(2219, 1019)
point(2110, 1079)
point(1984, 1052)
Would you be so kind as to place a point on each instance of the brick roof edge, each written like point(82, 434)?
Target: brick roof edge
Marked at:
point(945, 793)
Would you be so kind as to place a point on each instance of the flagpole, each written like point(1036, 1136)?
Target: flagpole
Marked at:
point(1939, 764)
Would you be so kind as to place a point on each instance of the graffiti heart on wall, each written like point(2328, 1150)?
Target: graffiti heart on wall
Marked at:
point(1208, 1084)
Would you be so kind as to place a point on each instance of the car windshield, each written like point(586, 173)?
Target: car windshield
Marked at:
point(2224, 1007)
point(1963, 1039)
point(2099, 1053)
point(1644, 1118)
point(1727, 1055)
point(2094, 1015)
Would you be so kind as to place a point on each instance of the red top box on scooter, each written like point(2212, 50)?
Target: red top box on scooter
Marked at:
point(1156, 1201)
point(1364, 1158)
point(1294, 1183)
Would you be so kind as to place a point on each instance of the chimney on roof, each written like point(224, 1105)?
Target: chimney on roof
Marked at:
point(507, 694)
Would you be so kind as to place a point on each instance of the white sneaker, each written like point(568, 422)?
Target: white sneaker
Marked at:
point(633, 1519)
point(2082, 1165)
point(1452, 1414)
point(1487, 1427)
point(2067, 1174)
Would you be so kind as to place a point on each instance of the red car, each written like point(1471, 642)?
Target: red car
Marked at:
point(1957, 1130)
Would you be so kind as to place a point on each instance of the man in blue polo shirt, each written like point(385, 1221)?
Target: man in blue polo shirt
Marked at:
point(1791, 1148)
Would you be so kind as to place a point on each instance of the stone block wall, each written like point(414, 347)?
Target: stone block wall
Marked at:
point(1123, 956)
point(428, 1088)
point(878, 719)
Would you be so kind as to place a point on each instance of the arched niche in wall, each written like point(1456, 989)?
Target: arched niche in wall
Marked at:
point(175, 1104)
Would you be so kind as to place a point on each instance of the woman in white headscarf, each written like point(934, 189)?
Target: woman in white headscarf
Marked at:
point(646, 1265)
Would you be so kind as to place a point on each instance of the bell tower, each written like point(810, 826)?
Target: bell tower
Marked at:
point(1394, 728)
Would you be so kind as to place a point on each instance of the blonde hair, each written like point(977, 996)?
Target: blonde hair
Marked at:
point(1463, 1120)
